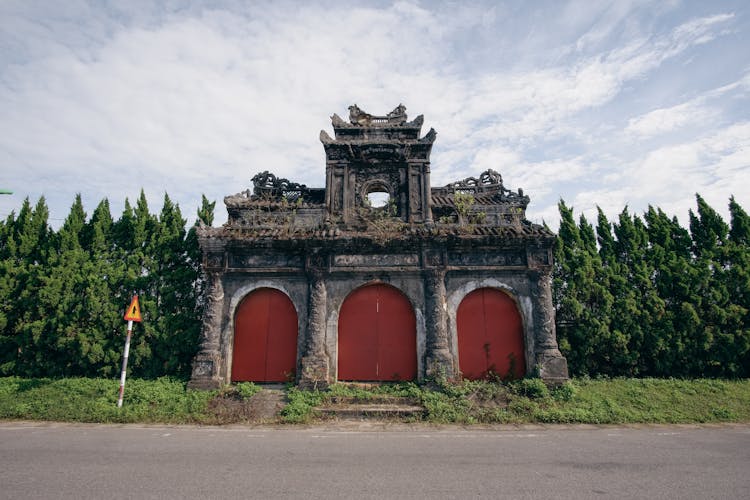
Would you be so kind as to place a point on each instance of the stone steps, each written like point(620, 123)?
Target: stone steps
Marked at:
point(268, 403)
point(378, 407)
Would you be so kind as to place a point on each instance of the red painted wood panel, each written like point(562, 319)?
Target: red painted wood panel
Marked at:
point(397, 336)
point(490, 335)
point(265, 337)
point(377, 336)
point(281, 350)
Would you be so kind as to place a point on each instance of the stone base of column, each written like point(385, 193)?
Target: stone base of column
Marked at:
point(205, 374)
point(439, 365)
point(314, 373)
point(552, 366)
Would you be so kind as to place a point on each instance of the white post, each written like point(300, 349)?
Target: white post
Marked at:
point(125, 364)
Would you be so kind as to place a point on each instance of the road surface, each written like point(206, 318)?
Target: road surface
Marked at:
point(71, 461)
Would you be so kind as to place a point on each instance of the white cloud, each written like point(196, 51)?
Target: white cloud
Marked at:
point(667, 119)
point(716, 166)
point(199, 100)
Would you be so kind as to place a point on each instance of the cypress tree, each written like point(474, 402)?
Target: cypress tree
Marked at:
point(102, 324)
point(716, 339)
point(59, 308)
point(580, 297)
point(669, 260)
point(8, 273)
point(29, 244)
point(206, 211)
point(175, 323)
point(738, 285)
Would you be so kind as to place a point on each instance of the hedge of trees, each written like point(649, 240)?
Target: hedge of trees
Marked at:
point(641, 296)
point(63, 293)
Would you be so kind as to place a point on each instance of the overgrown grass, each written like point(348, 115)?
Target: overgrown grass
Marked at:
point(301, 405)
point(594, 401)
point(95, 400)
point(653, 401)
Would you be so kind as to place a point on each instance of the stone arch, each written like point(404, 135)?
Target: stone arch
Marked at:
point(522, 303)
point(228, 333)
point(376, 186)
point(377, 335)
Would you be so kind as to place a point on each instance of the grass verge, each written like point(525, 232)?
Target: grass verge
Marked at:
point(95, 400)
point(591, 401)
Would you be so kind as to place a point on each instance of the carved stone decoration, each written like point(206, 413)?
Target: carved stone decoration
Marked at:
point(267, 184)
point(324, 137)
point(433, 259)
point(429, 136)
point(487, 178)
point(359, 117)
point(398, 115)
point(207, 364)
point(337, 121)
point(338, 153)
point(214, 260)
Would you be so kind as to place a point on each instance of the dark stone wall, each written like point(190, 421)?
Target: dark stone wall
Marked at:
point(433, 275)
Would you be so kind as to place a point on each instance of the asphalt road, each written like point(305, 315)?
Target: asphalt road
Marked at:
point(95, 461)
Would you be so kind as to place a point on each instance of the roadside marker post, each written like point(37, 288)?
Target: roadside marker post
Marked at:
point(133, 314)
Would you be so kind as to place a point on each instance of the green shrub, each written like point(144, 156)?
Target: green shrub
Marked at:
point(564, 392)
point(532, 387)
point(246, 390)
point(301, 405)
point(441, 408)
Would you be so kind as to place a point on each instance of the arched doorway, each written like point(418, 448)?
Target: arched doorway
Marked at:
point(490, 335)
point(377, 337)
point(265, 337)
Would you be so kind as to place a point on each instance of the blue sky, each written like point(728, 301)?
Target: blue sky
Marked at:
point(598, 103)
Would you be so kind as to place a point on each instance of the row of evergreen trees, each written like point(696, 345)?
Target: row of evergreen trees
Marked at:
point(647, 297)
point(642, 296)
point(63, 293)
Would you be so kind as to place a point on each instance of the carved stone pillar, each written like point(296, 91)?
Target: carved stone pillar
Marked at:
point(427, 196)
point(314, 364)
point(552, 366)
point(329, 191)
point(207, 363)
point(438, 359)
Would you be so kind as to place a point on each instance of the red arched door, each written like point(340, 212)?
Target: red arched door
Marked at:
point(265, 337)
point(490, 335)
point(377, 335)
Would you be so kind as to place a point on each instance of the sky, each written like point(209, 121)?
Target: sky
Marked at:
point(598, 103)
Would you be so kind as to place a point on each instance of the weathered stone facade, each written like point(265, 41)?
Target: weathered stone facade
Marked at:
point(435, 245)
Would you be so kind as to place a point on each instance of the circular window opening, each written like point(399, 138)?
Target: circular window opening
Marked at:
point(378, 199)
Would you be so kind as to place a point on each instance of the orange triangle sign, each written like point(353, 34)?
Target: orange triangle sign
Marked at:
point(134, 311)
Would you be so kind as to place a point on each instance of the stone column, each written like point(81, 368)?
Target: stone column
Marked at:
point(207, 363)
point(314, 364)
point(552, 366)
point(329, 191)
point(427, 195)
point(438, 359)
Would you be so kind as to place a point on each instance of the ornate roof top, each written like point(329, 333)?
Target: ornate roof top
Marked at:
point(488, 189)
point(363, 119)
point(365, 127)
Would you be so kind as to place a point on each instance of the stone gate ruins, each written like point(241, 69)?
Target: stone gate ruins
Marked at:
point(378, 276)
